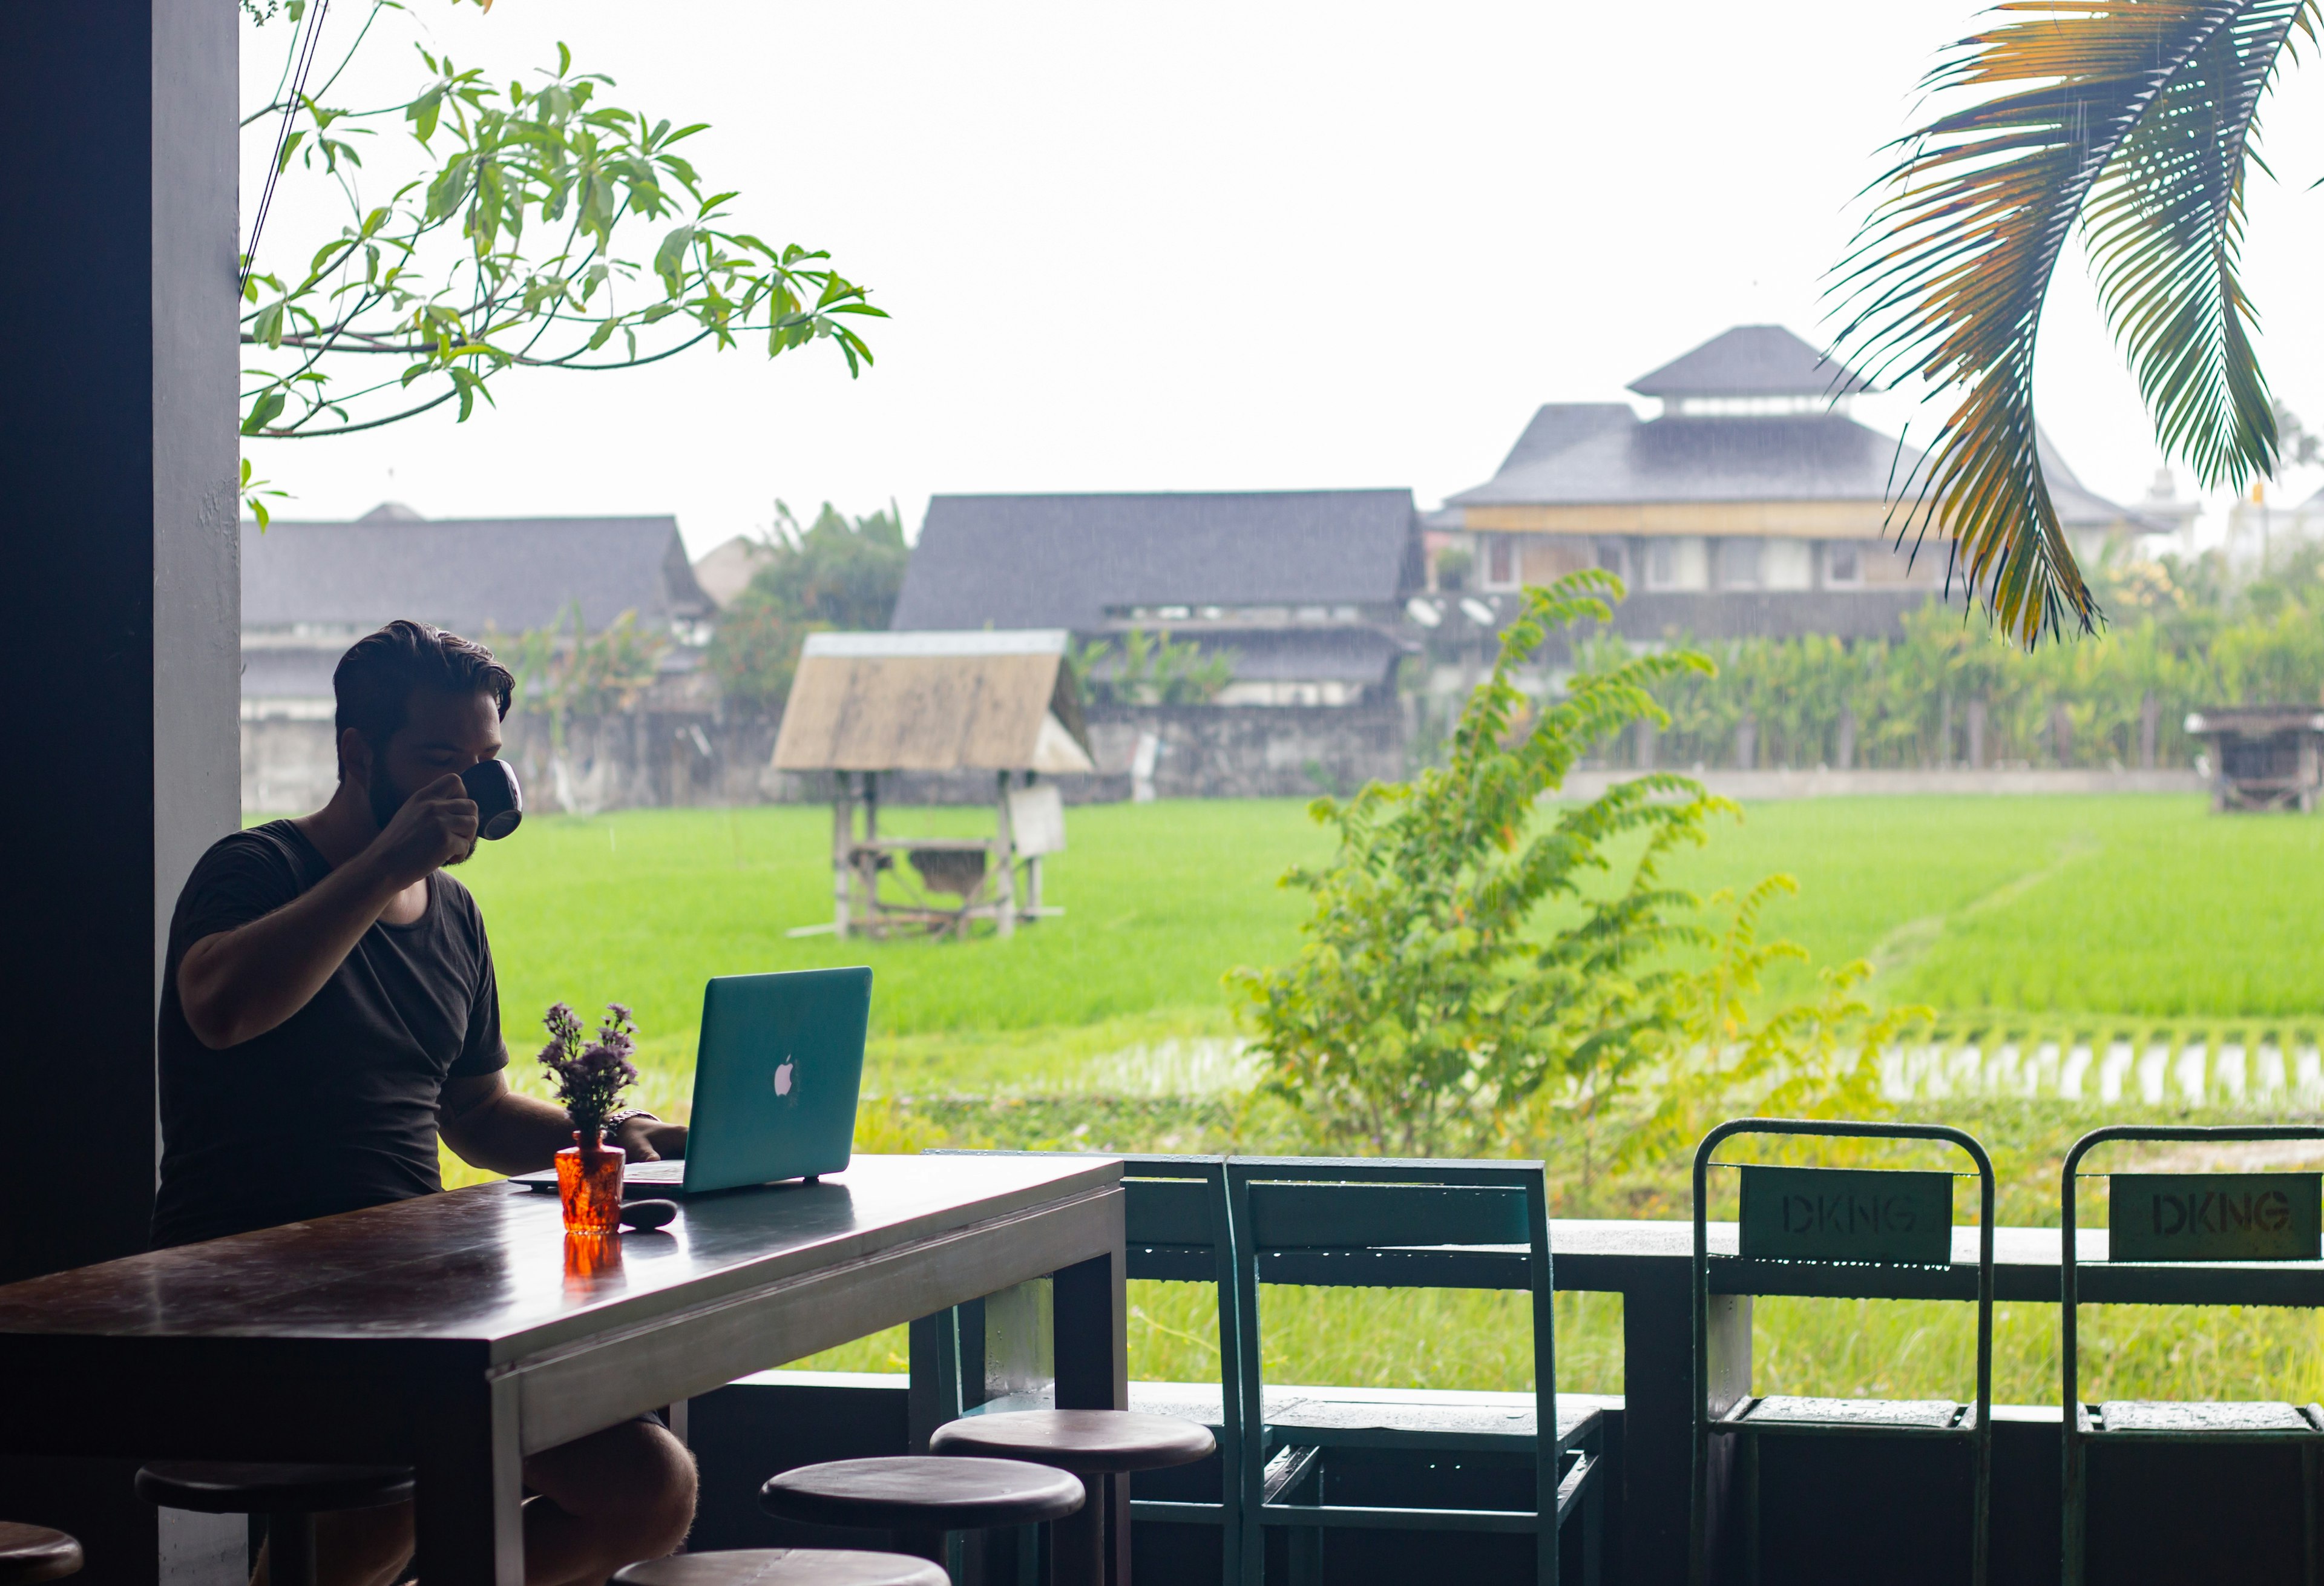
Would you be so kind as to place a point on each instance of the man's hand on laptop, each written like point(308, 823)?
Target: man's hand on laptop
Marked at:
point(650, 1140)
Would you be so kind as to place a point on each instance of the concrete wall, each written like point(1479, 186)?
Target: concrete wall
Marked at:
point(1818, 784)
point(1257, 752)
point(640, 761)
point(654, 759)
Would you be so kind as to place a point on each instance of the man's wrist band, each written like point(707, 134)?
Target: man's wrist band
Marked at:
point(614, 1120)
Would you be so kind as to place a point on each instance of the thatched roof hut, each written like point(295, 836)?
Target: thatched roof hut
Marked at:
point(935, 702)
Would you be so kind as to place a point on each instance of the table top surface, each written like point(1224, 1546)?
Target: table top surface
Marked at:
point(493, 1264)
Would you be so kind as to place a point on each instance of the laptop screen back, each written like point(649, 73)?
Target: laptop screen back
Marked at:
point(776, 1076)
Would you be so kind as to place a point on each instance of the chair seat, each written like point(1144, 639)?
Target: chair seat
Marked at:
point(34, 1552)
point(2180, 1418)
point(214, 1489)
point(1445, 1423)
point(785, 1566)
point(922, 1492)
point(1088, 1443)
point(1870, 1415)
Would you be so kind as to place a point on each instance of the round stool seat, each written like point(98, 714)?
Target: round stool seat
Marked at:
point(1088, 1443)
point(785, 1566)
point(270, 1489)
point(920, 1492)
point(35, 1552)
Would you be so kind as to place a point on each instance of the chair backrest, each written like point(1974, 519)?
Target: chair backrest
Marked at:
point(1878, 1243)
point(2226, 1246)
point(1382, 1222)
point(1390, 1223)
point(1174, 1213)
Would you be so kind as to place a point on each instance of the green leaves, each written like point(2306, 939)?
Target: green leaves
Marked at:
point(1431, 1005)
point(2139, 126)
point(1483, 964)
point(512, 245)
point(835, 573)
point(254, 494)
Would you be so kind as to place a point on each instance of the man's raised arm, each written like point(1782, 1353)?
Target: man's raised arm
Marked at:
point(241, 983)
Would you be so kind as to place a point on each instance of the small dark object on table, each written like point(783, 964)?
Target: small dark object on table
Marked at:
point(648, 1215)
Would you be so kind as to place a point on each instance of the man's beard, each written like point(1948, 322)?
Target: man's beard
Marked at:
point(386, 798)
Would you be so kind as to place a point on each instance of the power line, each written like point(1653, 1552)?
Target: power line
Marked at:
point(305, 48)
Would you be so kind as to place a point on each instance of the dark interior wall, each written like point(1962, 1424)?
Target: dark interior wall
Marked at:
point(117, 260)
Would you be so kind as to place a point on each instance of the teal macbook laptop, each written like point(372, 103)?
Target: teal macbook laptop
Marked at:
point(775, 1082)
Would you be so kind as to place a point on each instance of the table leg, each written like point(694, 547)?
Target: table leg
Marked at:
point(470, 1519)
point(1092, 1316)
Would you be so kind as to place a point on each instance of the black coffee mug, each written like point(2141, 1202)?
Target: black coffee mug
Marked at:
point(500, 802)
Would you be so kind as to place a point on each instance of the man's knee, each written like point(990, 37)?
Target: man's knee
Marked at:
point(635, 1481)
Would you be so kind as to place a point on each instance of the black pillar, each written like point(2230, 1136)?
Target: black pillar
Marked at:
point(117, 261)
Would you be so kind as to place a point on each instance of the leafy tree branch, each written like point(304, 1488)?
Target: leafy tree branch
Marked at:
point(530, 226)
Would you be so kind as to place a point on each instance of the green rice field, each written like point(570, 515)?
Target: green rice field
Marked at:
point(1108, 1027)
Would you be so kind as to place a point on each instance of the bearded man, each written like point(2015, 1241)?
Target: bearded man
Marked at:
point(329, 1011)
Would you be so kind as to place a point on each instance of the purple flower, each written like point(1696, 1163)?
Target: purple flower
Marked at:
point(590, 1077)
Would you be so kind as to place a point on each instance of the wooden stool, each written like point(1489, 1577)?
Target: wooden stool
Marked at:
point(34, 1552)
point(922, 1497)
point(288, 1495)
point(784, 1566)
point(1093, 1444)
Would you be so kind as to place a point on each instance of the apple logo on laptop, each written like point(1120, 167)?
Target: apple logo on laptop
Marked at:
point(783, 1077)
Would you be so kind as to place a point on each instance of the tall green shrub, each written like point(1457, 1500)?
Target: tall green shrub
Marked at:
point(1480, 964)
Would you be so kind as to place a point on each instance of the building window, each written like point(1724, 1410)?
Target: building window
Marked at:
point(1501, 561)
point(1739, 564)
point(1787, 564)
point(1612, 557)
point(1678, 562)
point(1843, 564)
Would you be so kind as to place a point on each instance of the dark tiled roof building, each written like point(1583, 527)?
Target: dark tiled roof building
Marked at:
point(310, 589)
point(1752, 504)
point(1303, 586)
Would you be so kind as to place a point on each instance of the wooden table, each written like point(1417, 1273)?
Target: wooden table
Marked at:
point(458, 1333)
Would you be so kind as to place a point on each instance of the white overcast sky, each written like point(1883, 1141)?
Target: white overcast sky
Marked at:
point(1199, 246)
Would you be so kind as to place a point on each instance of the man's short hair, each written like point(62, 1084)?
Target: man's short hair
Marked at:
point(377, 676)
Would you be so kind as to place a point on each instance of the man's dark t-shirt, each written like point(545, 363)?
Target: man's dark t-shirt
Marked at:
point(335, 1108)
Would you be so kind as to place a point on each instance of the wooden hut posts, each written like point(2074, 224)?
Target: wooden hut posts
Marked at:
point(2263, 757)
point(868, 705)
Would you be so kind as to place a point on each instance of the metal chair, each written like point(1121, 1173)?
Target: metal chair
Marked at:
point(288, 1495)
point(34, 1552)
point(2134, 1421)
point(1401, 1224)
point(1749, 1418)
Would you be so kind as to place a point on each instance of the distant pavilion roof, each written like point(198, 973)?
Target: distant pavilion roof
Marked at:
point(1602, 454)
point(1790, 456)
point(1751, 361)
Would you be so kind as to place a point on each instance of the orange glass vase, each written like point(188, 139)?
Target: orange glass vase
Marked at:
point(589, 1182)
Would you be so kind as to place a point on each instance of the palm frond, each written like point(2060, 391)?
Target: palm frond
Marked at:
point(2140, 126)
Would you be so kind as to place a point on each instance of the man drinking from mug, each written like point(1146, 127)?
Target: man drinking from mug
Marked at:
point(329, 1010)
